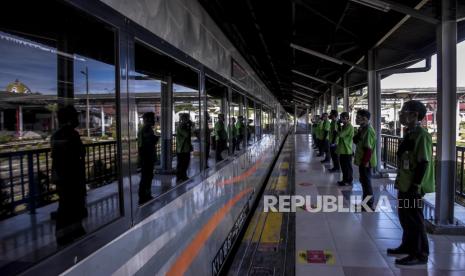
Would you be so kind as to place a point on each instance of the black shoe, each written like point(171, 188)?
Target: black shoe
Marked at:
point(411, 260)
point(396, 251)
point(324, 161)
point(333, 170)
point(319, 155)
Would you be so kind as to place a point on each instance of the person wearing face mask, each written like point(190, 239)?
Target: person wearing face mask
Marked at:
point(415, 177)
point(233, 133)
point(68, 174)
point(344, 149)
point(183, 146)
point(333, 137)
point(324, 138)
point(221, 137)
point(315, 131)
point(365, 154)
point(240, 129)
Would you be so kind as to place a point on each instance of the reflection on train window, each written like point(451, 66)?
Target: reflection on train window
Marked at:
point(250, 121)
point(258, 121)
point(237, 126)
point(217, 121)
point(148, 80)
point(266, 121)
point(58, 131)
point(186, 126)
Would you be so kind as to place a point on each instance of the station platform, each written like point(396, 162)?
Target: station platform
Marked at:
point(331, 243)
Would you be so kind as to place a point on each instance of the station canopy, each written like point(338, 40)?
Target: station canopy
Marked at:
point(300, 47)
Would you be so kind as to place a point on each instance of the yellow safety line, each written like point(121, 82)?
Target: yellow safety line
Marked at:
point(272, 230)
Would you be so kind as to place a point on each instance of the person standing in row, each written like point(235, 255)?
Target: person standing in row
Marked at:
point(324, 137)
point(240, 128)
point(344, 149)
point(316, 121)
point(221, 137)
point(183, 146)
point(68, 174)
point(333, 130)
point(146, 142)
point(232, 132)
point(208, 134)
point(415, 177)
point(365, 153)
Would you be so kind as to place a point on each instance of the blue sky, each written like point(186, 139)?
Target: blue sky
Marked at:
point(35, 65)
point(427, 79)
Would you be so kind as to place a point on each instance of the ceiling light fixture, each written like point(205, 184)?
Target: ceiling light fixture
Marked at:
point(317, 54)
point(303, 94)
point(374, 4)
point(310, 77)
point(306, 87)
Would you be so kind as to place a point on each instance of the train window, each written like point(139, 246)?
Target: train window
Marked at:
point(59, 174)
point(250, 121)
point(258, 121)
point(265, 121)
point(237, 125)
point(148, 80)
point(186, 122)
point(217, 121)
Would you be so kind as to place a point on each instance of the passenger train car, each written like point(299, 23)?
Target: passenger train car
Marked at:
point(113, 61)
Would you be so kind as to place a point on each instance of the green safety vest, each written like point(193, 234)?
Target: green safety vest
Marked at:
point(314, 128)
point(240, 128)
point(367, 140)
point(323, 126)
point(421, 150)
point(344, 139)
point(333, 131)
point(220, 131)
point(183, 140)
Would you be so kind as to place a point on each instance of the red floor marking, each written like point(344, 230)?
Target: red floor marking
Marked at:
point(305, 184)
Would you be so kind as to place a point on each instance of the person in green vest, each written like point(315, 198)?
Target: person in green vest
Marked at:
point(319, 133)
point(232, 132)
point(415, 177)
point(146, 142)
point(344, 149)
point(333, 129)
point(221, 137)
point(240, 128)
point(183, 146)
point(324, 137)
point(365, 155)
point(207, 138)
point(316, 120)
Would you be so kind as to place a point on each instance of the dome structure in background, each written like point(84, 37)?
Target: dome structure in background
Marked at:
point(18, 88)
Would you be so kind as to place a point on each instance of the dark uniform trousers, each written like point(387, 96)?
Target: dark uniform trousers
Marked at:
point(335, 158)
point(365, 180)
point(184, 159)
point(414, 238)
point(325, 149)
point(146, 176)
point(220, 147)
point(234, 143)
point(345, 161)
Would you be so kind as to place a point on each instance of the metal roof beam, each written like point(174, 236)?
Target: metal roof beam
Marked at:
point(303, 94)
point(324, 17)
point(306, 87)
point(314, 78)
point(387, 5)
point(326, 57)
